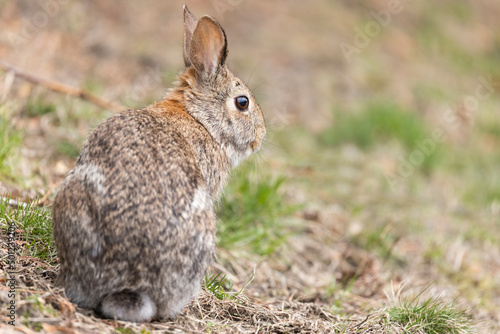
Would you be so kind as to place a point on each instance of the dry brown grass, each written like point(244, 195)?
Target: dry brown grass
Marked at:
point(42, 306)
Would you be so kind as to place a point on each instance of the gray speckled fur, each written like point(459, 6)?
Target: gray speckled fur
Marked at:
point(134, 222)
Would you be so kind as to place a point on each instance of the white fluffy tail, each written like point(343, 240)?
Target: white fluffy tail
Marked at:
point(129, 306)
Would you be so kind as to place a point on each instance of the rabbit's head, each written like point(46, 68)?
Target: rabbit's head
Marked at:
point(213, 96)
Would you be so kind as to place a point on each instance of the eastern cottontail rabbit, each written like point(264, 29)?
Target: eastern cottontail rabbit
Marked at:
point(134, 221)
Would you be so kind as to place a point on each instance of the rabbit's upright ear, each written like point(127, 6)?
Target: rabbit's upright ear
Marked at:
point(208, 46)
point(189, 26)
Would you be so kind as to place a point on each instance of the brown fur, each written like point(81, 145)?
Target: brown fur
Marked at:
point(134, 222)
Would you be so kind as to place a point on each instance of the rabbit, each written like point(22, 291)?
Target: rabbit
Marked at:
point(134, 222)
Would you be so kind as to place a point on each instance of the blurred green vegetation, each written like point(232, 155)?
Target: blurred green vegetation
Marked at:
point(67, 148)
point(253, 215)
point(375, 123)
point(439, 42)
point(379, 123)
point(482, 185)
point(36, 107)
point(10, 140)
point(381, 240)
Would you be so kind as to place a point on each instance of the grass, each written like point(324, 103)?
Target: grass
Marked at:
point(425, 92)
point(39, 107)
point(379, 239)
point(122, 330)
point(487, 190)
point(479, 184)
point(438, 43)
point(381, 123)
point(221, 287)
point(10, 139)
point(432, 315)
point(253, 215)
point(377, 122)
point(67, 148)
point(435, 41)
point(33, 228)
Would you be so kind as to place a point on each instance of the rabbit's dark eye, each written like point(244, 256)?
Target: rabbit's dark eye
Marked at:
point(241, 103)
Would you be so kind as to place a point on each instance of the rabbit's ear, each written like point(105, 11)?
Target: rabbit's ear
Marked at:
point(189, 26)
point(208, 47)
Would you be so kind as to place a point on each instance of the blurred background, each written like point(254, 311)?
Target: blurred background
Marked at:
point(309, 64)
point(384, 127)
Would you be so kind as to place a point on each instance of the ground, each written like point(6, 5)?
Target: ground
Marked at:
point(373, 206)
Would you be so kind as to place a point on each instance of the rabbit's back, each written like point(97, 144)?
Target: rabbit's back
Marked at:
point(135, 213)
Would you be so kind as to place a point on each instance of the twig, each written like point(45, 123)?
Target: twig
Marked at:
point(42, 201)
point(13, 202)
point(9, 80)
point(43, 319)
point(362, 322)
point(62, 88)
